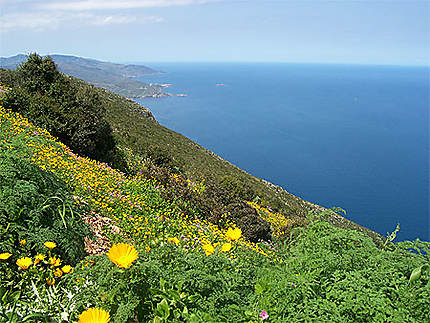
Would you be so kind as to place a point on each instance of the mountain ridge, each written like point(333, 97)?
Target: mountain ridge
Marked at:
point(118, 78)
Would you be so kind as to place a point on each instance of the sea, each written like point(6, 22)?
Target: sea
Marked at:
point(349, 136)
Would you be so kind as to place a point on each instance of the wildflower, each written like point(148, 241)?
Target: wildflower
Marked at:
point(233, 234)
point(58, 273)
point(264, 315)
point(50, 281)
point(94, 315)
point(175, 240)
point(24, 262)
point(50, 245)
point(226, 247)
point(67, 269)
point(208, 248)
point(22, 242)
point(122, 254)
point(54, 261)
point(39, 258)
point(4, 256)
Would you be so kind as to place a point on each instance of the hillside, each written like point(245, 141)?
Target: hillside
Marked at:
point(134, 128)
point(141, 238)
point(118, 78)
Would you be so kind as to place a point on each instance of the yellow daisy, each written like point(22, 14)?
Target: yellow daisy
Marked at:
point(58, 273)
point(233, 234)
point(67, 269)
point(122, 254)
point(175, 240)
point(4, 256)
point(208, 248)
point(94, 315)
point(54, 261)
point(39, 258)
point(50, 281)
point(50, 245)
point(24, 262)
point(226, 247)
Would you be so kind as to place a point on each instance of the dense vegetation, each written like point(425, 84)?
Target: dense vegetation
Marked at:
point(73, 114)
point(185, 258)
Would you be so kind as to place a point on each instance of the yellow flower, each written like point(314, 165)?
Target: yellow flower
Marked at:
point(22, 242)
point(208, 248)
point(67, 269)
point(226, 247)
point(122, 254)
point(4, 256)
point(50, 244)
point(233, 234)
point(55, 262)
point(94, 315)
point(50, 281)
point(58, 273)
point(39, 258)
point(175, 240)
point(24, 262)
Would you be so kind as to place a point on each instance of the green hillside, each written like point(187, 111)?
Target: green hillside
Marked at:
point(134, 128)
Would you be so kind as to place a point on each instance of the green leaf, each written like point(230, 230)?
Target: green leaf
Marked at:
point(259, 288)
point(163, 309)
point(416, 273)
point(185, 311)
point(177, 313)
point(174, 294)
point(193, 298)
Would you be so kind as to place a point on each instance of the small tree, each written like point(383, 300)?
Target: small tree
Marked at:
point(69, 110)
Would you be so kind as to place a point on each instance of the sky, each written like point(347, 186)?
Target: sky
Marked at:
point(392, 32)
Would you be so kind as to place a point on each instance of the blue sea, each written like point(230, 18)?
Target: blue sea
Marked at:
point(351, 136)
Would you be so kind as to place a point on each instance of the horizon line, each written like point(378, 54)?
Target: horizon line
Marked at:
point(238, 62)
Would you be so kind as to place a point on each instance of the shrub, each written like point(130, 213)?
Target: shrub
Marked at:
point(70, 112)
point(36, 206)
point(246, 217)
point(172, 284)
point(213, 202)
point(237, 188)
point(340, 275)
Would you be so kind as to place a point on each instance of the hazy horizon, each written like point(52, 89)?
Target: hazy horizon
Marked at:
point(226, 62)
point(319, 31)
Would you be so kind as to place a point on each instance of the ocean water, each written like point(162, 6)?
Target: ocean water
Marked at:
point(351, 136)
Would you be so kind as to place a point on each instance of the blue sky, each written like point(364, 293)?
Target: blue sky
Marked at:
point(363, 32)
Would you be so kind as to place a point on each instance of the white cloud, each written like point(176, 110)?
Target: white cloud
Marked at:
point(118, 4)
point(44, 21)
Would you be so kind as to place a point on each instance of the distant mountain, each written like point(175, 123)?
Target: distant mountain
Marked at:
point(117, 78)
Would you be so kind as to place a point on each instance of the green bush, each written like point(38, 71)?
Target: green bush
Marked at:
point(340, 275)
point(237, 188)
point(37, 206)
point(170, 284)
point(74, 113)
